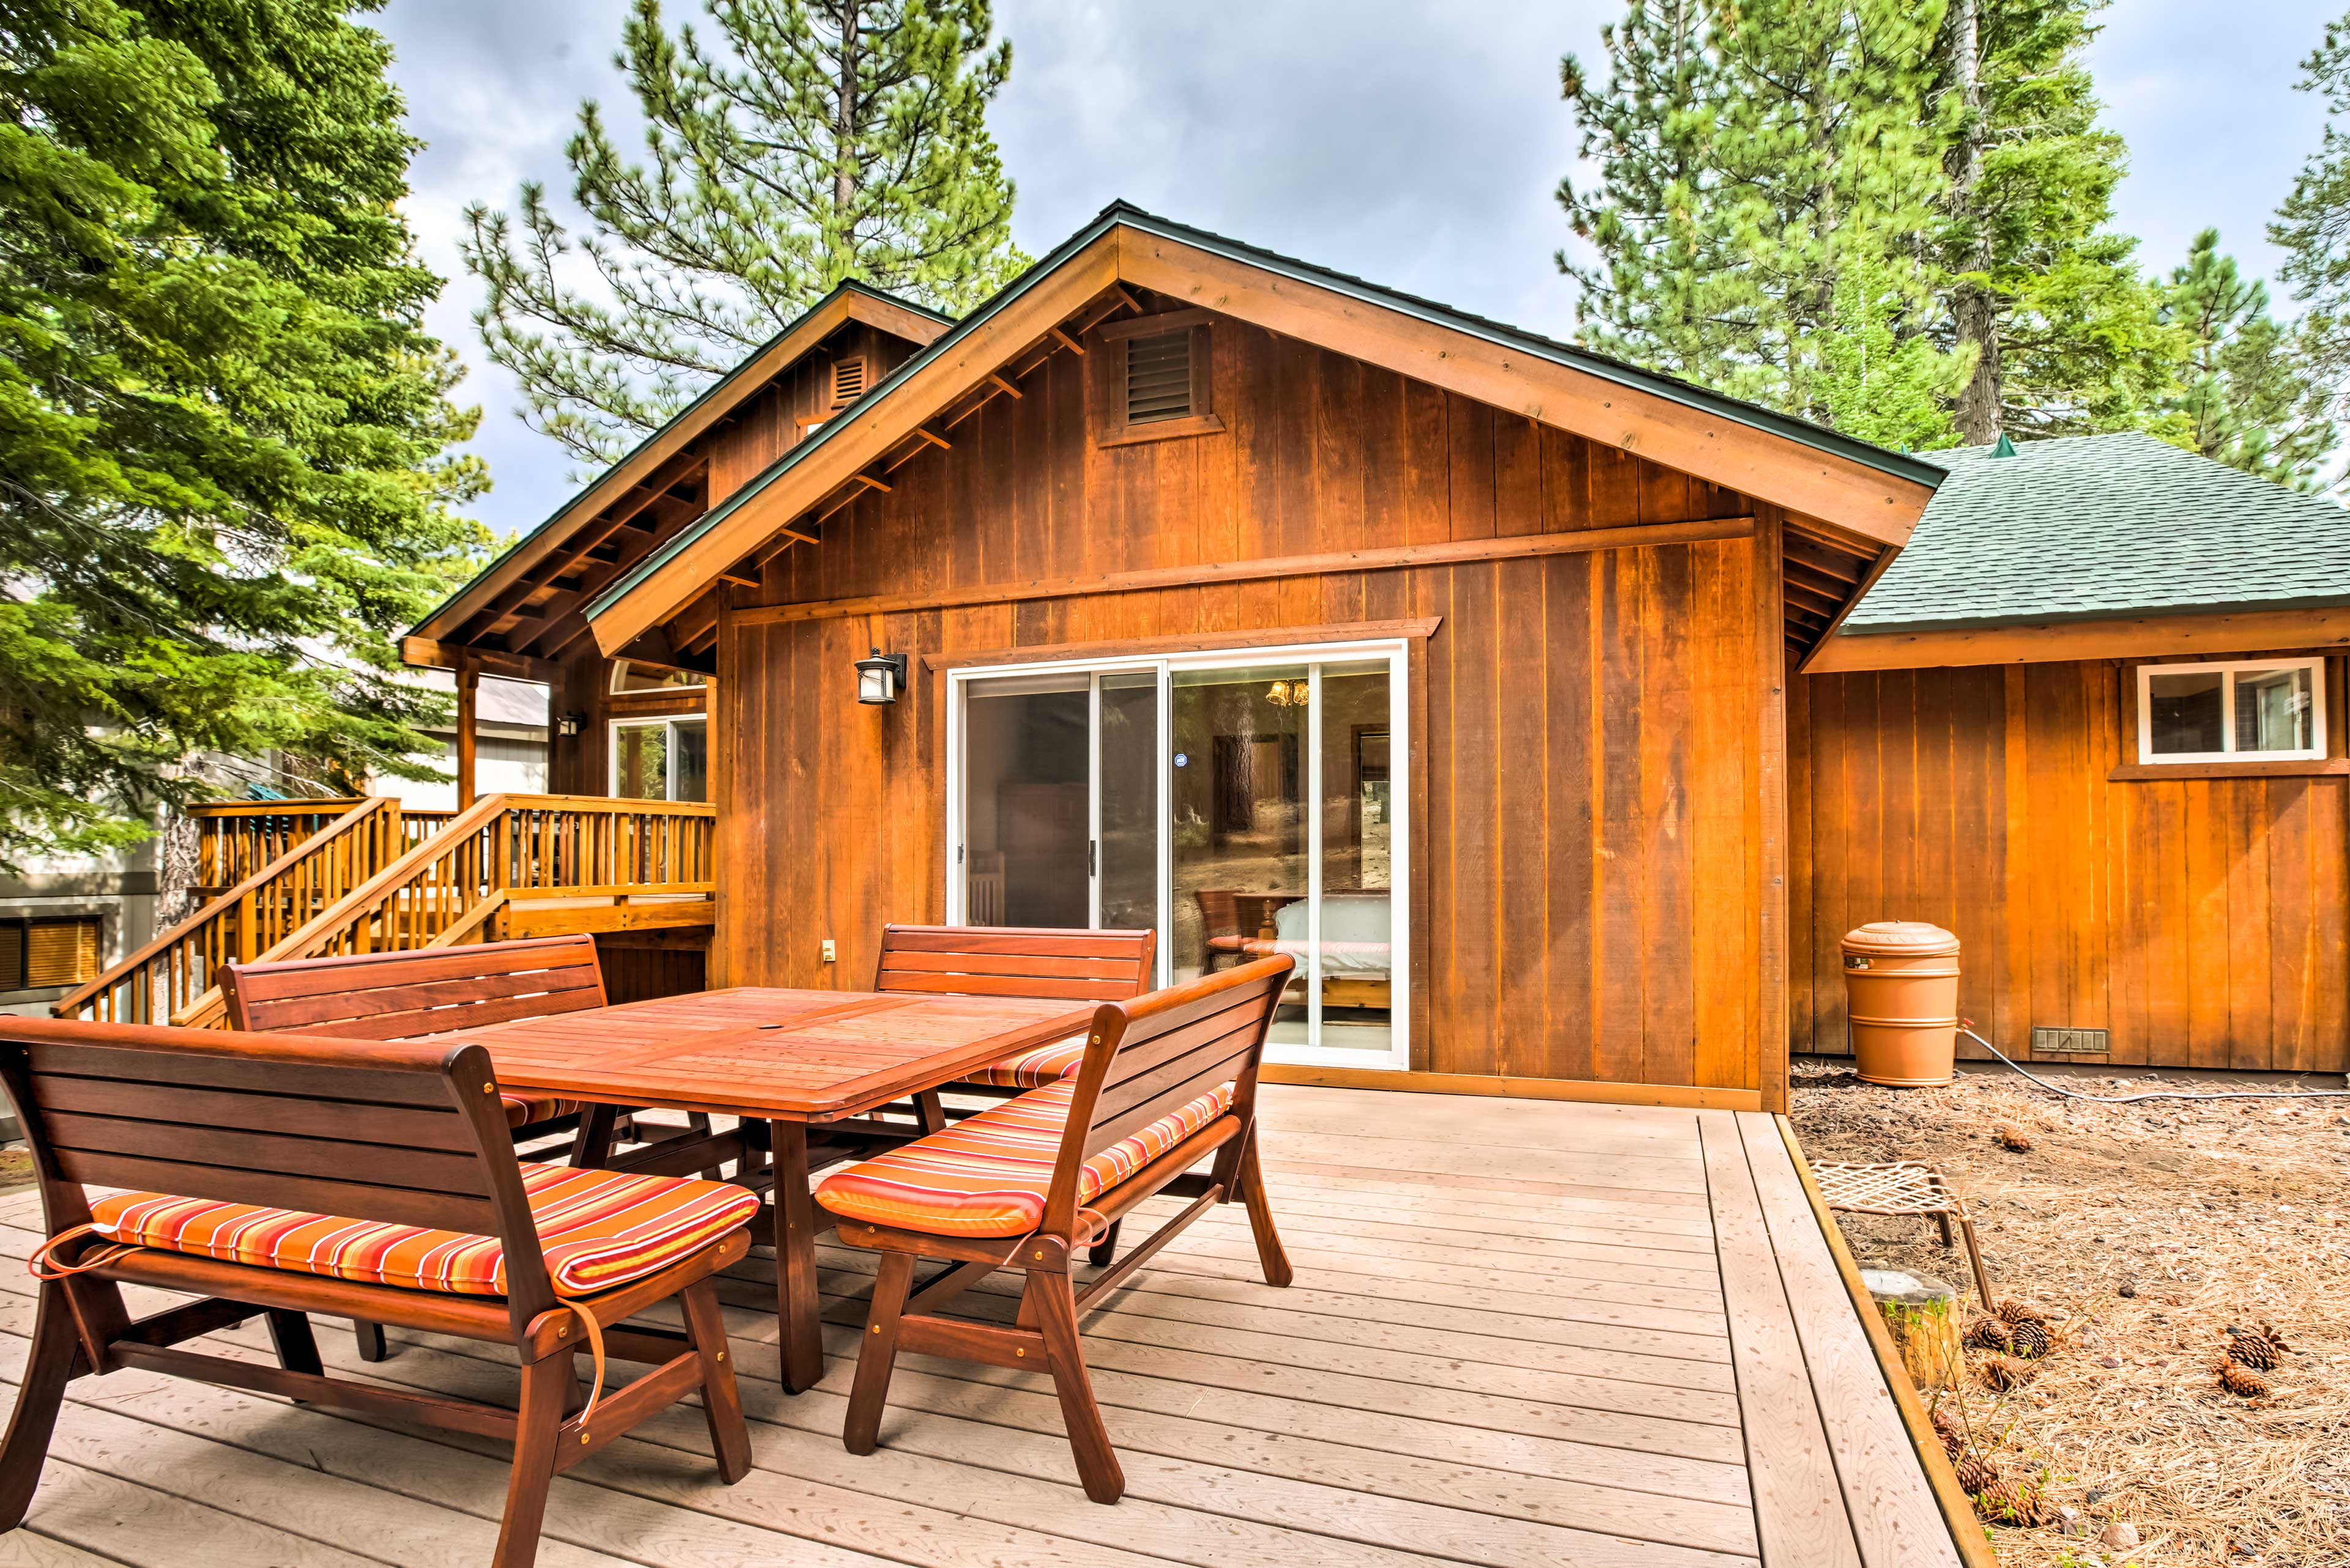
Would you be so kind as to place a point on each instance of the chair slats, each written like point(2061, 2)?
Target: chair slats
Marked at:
point(404, 995)
point(1003, 960)
point(424, 1170)
point(227, 1184)
point(290, 1071)
point(418, 1128)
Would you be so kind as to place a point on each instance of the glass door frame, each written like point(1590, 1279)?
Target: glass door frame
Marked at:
point(1394, 651)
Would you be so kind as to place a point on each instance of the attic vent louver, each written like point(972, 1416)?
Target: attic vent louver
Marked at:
point(1159, 378)
point(848, 381)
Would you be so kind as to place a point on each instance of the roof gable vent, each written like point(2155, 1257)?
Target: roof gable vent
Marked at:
point(849, 381)
point(1159, 376)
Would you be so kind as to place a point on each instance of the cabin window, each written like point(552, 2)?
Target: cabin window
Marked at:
point(627, 676)
point(2269, 708)
point(46, 954)
point(661, 759)
point(1241, 804)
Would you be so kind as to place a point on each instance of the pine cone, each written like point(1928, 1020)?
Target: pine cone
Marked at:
point(1977, 1475)
point(2014, 1311)
point(2011, 1501)
point(1991, 1334)
point(2004, 1373)
point(2029, 1340)
point(2241, 1381)
point(2011, 1138)
point(2251, 1348)
point(1951, 1429)
point(2269, 1331)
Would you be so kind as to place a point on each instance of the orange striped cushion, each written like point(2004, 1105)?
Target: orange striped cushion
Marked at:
point(597, 1229)
point(526, 1107)
point(1034, 1069)
point(987, 1174)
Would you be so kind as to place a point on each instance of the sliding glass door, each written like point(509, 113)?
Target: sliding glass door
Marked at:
point(1239, 804)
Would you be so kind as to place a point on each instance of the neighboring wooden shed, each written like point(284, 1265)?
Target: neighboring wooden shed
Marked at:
point(2092, 720)
point(1278, 611)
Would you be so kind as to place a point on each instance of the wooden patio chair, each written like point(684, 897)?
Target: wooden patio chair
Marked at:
point(1014, 961)
point(242, 1153)
point(417, 994)
point(1168, 1080)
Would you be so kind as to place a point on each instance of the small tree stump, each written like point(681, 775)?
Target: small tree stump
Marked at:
point(1923, 1315)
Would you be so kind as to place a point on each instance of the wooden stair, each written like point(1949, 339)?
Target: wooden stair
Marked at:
point(365, 875)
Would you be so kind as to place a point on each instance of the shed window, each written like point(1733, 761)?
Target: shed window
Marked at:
point(39, 954)
point(2271, 708)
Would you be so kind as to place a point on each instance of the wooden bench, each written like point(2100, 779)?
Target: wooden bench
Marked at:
point(416, 994)
point(1016, 961)
point(1144, 1109)
point(404, 1139)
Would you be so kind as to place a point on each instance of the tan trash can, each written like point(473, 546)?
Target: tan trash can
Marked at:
point(1901, 992)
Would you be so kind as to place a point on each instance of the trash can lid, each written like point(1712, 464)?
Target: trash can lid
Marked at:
point(1908, 938)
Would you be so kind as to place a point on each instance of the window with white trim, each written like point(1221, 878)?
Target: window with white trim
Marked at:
point(2252, 710)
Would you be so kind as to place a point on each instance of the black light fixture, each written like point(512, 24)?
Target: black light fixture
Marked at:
point(880, 677)
point(570, 723)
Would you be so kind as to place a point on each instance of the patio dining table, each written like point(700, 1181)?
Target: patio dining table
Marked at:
point(787, 1062)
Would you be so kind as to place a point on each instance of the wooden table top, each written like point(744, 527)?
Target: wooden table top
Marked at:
point(756, 1051)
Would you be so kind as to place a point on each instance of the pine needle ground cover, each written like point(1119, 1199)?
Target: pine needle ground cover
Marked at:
point(2143, 1232)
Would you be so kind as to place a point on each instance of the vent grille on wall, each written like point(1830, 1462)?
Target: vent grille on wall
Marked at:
point(2047, 1040)
point(1159, 378)
point(848, 378)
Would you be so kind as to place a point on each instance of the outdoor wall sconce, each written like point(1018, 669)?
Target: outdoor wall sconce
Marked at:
point(570, 724)
point(881, 677)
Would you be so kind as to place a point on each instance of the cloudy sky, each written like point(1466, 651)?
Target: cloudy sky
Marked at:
point(1415, 143)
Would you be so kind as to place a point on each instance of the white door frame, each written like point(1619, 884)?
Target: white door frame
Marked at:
point(1397, 1055)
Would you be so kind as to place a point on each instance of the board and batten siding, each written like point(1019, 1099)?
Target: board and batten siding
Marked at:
point(1587, 728)
point(2200, 920)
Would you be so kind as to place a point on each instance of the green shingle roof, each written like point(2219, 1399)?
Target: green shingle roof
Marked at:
point(2088, 527)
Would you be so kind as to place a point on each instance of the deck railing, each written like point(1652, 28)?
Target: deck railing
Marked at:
point(267, 902)
point(236, 838)
point(570, 852)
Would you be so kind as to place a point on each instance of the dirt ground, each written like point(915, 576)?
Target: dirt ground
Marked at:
point(2143, 1232)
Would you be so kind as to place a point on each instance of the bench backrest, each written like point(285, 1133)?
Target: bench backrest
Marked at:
point(406, 995)
point(406, 1133)
point(1151, 1056)
point(1016, 961)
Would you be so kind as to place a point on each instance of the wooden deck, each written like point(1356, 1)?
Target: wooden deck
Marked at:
point(1524, 1334)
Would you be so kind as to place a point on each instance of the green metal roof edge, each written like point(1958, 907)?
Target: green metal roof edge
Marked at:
point(2136, 612)
point(714, 389)
point(1900, 465)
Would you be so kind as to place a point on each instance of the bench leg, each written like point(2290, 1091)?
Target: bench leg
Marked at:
point(1102, 1251)
point(1057, 1317)
point(1269, 1252)
point(877, 1356)
point(546, 1385)
point(49, 1364)
point(722, 1401)
point(289, 1335)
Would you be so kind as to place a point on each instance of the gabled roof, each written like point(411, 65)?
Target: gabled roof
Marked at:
point(848, 301)
point(2100, 527)
point(1855, 485)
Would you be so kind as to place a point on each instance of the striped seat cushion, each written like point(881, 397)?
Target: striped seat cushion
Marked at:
point(987, 1174)
point(524, 1108)
point(597, 1229)
point(1034, 1069)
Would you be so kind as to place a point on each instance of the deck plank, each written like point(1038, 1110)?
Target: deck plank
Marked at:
point(1892, 1506)
point(1799, 1509)
point(1523, 1333)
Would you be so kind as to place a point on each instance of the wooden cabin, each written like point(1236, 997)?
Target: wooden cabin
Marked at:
point(1208, 590)
point(2092, 720)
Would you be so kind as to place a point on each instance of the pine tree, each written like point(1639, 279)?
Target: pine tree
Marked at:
point(225, 478)
point(2312, 225)
point(2249, 398)
point(820, 141)
point(2064, 328)
point(1749, 156)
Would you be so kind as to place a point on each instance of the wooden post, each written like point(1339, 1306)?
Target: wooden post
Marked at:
point(468, 685)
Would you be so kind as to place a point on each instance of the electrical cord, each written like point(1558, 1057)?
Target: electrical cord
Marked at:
point(1966, 1027)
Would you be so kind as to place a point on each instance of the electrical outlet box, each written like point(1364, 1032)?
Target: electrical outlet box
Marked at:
point(830, 955)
